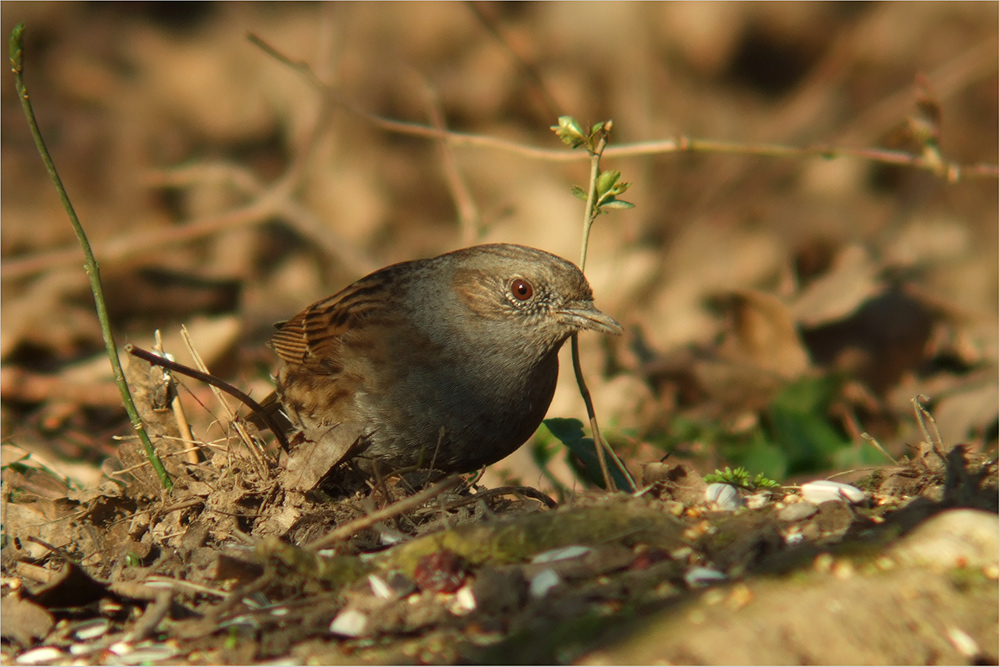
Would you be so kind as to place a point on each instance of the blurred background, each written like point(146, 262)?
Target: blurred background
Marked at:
point(776, 307)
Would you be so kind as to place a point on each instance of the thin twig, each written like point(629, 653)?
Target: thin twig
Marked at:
point(522, 491)
point(388, 512)
point(215, 382)
point(552, 109)
point(176, 405)
point(16, 46)
point(877, 445)
point(255, 451)
point(679, 144)
point(259, 211)
point(468, 214)
point(933, 439)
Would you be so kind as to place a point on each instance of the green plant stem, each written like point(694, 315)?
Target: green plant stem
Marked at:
point(16, 46)
point(590, 214)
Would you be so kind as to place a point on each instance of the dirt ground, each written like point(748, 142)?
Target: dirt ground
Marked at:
point(808, 283)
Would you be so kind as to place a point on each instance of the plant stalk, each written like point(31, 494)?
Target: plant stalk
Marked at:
point(590, 215)
point(16, 46)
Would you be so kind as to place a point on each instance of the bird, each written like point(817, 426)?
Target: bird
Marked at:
point(448, 363)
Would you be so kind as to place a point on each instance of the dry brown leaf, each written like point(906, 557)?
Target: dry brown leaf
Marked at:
point(762, 333)
point(850, 282)
point(23, 620)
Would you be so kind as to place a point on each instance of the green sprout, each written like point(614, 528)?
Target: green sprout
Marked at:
point(740, 477)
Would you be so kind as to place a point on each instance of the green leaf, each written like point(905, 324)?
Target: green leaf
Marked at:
point(579, 192)
point(765, 456)
point(617, 203)
point(740, 477)
point(565, 430)
point(584, 455)
point(569, 132)
point(858, 457)
point(606, 181)
point(800, 426)
point(543, 452)
point(619, 188)
point(737, 477)
point(762, 482)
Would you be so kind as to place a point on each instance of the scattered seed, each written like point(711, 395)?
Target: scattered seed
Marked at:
point(964, 643)
point(564, 553)
point(40, 656)
point(349, 623)
point(92, 629)
point(147, 654)
point(698, 577)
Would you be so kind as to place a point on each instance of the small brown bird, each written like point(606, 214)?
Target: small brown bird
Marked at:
point(447, 363)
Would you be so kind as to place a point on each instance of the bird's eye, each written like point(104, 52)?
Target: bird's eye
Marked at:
point(521, 289)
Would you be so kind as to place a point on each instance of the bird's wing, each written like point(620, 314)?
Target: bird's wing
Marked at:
point(314, 338)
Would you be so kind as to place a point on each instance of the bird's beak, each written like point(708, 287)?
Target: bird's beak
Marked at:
point(583, 315)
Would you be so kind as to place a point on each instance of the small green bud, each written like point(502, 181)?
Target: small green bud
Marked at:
point(569, 132)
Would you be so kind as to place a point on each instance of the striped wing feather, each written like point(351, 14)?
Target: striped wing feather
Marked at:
point(315, 337)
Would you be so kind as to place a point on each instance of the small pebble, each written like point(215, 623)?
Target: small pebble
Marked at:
point(349, 623)
point(703, 576)
point(758, 500)
point(823, 490)
point(797, 512)
point(725, 496)
point(542, 583)
point(464, 601)
point(121, 648)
